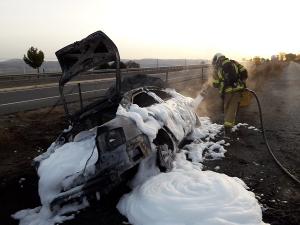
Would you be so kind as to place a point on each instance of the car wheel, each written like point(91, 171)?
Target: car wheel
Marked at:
point(165, 158)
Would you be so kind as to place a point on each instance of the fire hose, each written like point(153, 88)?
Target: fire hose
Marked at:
point(203, 92)
point(266, 140)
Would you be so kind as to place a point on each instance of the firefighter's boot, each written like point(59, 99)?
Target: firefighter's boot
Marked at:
point(227, 133)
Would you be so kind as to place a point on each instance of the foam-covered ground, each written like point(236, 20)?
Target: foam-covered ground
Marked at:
point(187, 195)
point(190, 197)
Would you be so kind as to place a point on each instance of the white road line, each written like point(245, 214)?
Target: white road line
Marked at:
point(51, 85)
point(40, 99)
point(57, 96)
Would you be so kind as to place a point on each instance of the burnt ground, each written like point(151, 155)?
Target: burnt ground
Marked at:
point(24, 135)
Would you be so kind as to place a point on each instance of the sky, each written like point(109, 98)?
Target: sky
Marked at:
point(190, 29)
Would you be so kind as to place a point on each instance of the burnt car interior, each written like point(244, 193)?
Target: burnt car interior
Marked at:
point(143, 99)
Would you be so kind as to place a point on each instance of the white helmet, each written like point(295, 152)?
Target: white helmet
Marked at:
point(216, 57)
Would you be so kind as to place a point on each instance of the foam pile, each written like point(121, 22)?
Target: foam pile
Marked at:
point(190, 197)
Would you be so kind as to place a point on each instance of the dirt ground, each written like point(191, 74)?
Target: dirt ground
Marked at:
point(24, 135)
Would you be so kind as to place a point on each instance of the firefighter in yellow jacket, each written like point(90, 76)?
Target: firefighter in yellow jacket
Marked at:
point(230, 78)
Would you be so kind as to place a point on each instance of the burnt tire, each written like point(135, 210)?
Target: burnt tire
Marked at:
point(165, 158)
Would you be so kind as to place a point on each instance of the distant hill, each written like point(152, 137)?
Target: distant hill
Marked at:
point(17, 66)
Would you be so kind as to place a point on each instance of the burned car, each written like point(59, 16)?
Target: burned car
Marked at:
point(116, 124)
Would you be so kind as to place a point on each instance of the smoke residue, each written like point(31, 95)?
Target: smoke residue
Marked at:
point(207, 103)
point(212, 102)
point(259, 73)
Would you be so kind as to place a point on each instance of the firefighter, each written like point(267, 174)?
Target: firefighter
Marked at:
point(230, 78)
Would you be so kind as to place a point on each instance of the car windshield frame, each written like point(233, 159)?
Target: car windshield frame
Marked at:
point(82, 56)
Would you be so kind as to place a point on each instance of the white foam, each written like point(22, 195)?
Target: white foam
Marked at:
point(67, 160)
point(190, 197)
point(176, 113)
point(147, 123)
point(43, 216)
point(147, 168)
point(56, 172)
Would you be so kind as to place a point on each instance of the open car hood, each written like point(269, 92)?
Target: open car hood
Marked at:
point(81, 56)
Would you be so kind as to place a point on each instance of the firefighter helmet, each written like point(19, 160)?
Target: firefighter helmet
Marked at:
point(216, 57)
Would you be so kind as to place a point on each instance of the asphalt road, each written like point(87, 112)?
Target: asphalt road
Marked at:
point(37, 96)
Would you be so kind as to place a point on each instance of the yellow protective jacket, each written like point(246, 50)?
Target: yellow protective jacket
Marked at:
point(229, 76)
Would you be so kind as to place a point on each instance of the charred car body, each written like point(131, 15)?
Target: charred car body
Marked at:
point(120, 143)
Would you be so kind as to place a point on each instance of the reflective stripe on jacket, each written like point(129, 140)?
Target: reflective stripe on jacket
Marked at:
point(225, 72)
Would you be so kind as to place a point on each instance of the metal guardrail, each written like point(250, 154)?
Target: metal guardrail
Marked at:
point(41, 76)
point(29, 76)
point(168, 74)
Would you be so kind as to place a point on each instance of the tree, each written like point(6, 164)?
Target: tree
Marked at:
point(114, 65)
point(34, 58)
point(290, 57)
point(257, 60)
point(132, 64)
point(281, 56)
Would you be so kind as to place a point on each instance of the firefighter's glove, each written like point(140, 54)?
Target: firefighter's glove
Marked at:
point(216, 85)
point(204, 92)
